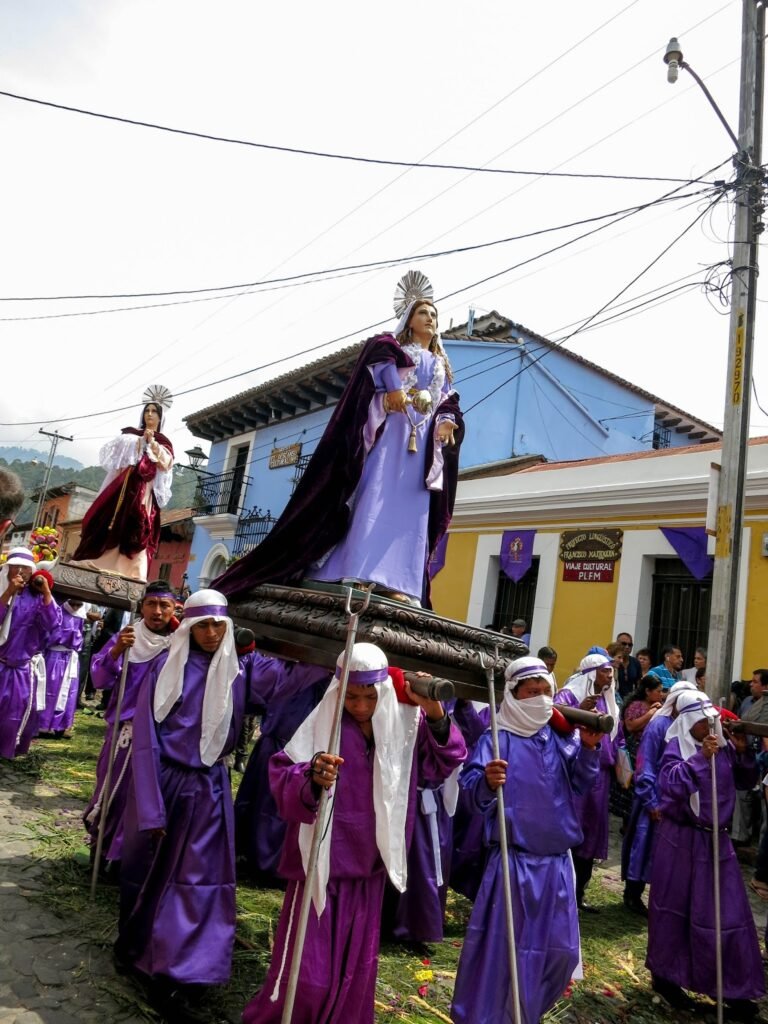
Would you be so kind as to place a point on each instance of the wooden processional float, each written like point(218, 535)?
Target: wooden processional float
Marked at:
point(309, 623)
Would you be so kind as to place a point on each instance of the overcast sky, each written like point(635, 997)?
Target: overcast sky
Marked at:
point(99, 207)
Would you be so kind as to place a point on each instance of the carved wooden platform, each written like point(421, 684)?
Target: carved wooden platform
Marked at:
point(95, 586)
point(311, 625)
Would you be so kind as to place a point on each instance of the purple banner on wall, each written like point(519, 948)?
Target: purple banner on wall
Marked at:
point(690, 543)
point(516, 552)
point(437, 558)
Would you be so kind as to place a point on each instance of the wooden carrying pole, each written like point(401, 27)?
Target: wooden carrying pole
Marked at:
point(323, 811)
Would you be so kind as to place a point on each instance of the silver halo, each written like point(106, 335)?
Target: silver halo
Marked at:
point(159, 395)
point(412, 285)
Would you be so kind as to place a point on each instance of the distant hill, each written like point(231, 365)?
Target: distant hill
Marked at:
point(31, 475)
point(11, 453)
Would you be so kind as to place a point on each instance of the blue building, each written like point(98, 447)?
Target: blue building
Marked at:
point(524, 398)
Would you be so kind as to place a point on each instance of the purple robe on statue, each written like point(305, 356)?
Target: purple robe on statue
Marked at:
point(637, 845)
point(338, 968)
point(177, 891)
point(593, 804)
point(105, 674)
point(332, 482)
point(681, 933)
point(62, 673)
point(546, 775)
point(32, 625)
point(383, 545)
point(259, 829)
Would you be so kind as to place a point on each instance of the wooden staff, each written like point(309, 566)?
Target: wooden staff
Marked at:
point(106, 790)
point(504, 853)
point(716, 881)
point(323, 811)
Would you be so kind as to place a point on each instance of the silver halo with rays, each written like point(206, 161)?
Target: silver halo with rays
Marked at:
point(158, 394)
point(412, 285)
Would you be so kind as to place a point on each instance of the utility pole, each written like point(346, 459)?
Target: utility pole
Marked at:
point(747, 228)
point(55, 438)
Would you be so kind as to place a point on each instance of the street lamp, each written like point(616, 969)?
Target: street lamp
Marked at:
point(196, 458)
point(673, 58)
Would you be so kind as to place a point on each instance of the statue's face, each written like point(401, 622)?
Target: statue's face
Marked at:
point(151, 417)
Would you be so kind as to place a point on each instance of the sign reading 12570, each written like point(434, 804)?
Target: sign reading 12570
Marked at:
point(589, 556)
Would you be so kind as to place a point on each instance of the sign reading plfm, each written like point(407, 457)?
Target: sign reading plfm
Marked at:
point(589, 556)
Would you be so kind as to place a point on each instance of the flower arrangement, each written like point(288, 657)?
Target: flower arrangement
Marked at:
point(44, 542)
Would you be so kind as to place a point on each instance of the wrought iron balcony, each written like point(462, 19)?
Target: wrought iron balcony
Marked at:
point(221, 493)
point(251, 531)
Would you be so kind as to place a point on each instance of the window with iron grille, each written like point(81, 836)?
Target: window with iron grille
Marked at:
point(251, 531)
point(662, 436)
point(301, 464)
point(516, 600)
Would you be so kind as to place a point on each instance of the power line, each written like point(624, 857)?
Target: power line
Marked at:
point(299, 151)
point(346, 270)
point(605, 306)
point(380, 323)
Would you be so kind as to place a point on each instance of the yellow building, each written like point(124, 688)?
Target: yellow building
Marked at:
point(647, 591)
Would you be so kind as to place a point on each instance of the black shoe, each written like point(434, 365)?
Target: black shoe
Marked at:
point(181, 1004)
point(588, 908)
point(636, 905)
point(674, 995)
point(240, 763)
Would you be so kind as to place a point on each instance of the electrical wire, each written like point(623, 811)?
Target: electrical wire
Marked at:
point(605, 306)
point(299, 151)
point(334, 273)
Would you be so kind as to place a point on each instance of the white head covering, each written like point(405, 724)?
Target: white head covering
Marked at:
point(692, 708)
point(78, 613)
point(222, 672)
point(582, 684)
point(395, 727)
point(525, 717)
point(668, 707)
point(16, 556)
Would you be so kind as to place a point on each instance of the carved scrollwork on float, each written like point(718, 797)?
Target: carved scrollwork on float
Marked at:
point(311, 625)
point(80, 583)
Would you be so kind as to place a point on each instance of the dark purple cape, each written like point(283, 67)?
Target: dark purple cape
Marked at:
point(125, 524)
point(317, 514)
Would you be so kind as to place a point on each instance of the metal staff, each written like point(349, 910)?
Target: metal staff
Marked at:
point(106, 790)
point(504, 851)
point(716, 880)
point(323, 810)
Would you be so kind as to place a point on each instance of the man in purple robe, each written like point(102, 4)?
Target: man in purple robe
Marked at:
point(593, 688)
point(177, 879)
point(387, 749)
point(28, 617)
point(542, 773)
point(141, 642)
point(681, 924)
point(637, 844)
point(62, 672)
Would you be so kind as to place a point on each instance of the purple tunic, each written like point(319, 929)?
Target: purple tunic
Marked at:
point(546, 774)
point(681, 937)
point(384, 545)
point(64, 641)
point(593, 804)
point(177, 891)
point(259, 829)
point(637, 846)
point(105, 673)
point(469, 847)
point(340, 957)
point(418, 913)
point(32, 625)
